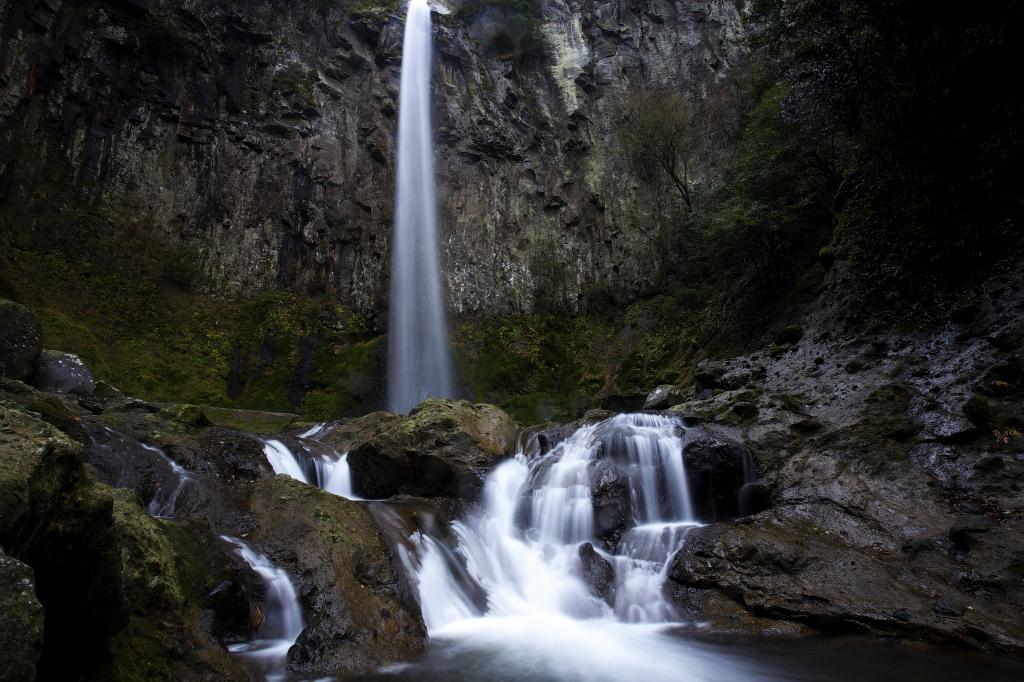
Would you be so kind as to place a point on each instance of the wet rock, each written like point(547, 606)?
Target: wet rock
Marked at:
point(624, 403)
point(21, 621)
point(977, 410)
point(854, 366)
point(229, 454)
point(21, 340)
point(664, 397)
point(717, 469)
point(443, 448)
point(967, 526)
point(781, 566)
point(166, 566)
point(54, 514)
point(597, 573)
point(57, 372)
point(344, 574)
point(952, 608)
point(609, 495)
point(710, 408)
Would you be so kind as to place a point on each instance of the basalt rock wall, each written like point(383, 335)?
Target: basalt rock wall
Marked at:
point(262, 137)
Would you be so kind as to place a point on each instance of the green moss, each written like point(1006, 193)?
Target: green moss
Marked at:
point(297, 82)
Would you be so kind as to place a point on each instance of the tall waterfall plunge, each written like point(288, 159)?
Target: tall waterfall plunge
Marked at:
point(419, 362)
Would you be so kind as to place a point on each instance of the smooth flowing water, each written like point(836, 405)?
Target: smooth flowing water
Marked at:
point(523, 551)
point(279, 625)
point(306, 459)
point(419, 361)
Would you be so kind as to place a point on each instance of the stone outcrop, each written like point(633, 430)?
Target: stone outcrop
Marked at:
point(359, 617)
point(57, 372)
point(443, 448)
point(54, 514)
point(21, 621)
point(260, 143)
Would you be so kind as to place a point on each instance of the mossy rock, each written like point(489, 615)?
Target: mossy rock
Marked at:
point(349, 579)
point(443, 448)
point(253, 421)
point(21, 621)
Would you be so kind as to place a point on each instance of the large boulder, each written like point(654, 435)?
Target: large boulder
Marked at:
point(21, 340)
point(721, 475)
point(664, 397)
point(57, 518)
point(358, 615)
point(781, 566)
point(443, 448)
point(168, 569)
point(21, 621)
point(57, 372)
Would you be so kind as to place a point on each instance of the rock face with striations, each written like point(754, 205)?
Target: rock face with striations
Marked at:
point(265, 139)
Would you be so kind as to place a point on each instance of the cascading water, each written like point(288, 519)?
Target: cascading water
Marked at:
point(312, 462)
point(523, 550)
point(279, 626)
point(419, 362)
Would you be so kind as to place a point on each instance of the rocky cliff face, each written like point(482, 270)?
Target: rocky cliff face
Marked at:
point(262, 136)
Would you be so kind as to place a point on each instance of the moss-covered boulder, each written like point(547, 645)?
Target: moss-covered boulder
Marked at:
point(21, 340)
point(57, 518)
point(168, 569)
point(253, 421)
point(443, 448)
point(359, 614)
point(21, 621)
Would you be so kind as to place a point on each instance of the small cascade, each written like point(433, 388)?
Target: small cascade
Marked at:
point(611, 500)
point(308, 460)
point(279, 624)
point(124, 462)
point(524, 549)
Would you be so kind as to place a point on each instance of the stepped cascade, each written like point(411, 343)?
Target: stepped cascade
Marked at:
point(419, 362)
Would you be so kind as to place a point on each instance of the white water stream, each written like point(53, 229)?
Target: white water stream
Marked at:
point(523, 550)
point(419, 361)
point(280, 623)
point(312, 462)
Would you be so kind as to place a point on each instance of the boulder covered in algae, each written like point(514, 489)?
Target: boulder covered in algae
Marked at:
point(359, 613)
point(444, 448)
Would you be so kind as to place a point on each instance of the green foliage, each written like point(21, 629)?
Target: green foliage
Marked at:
point(929, 200)
point(550, 275)
point(508, 29)
point(182, 266)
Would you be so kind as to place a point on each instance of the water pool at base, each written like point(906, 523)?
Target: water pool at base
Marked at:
point(533, 655)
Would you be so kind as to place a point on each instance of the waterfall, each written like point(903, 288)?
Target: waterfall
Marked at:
point(419, 363)
point(529, 548)
point(312, 462)
point(279, 626)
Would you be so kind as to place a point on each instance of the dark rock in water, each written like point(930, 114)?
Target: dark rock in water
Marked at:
point(344, 573)
point(781, 566)
point(229, 454)
point(166, 568)
point(947, 606)
point(597, 573)
point(443, 448)
point(21, 621)
point(664, 397)
point(717, 469)
point(609, 495)
point(21, 341)
point(57, 518)
point(627, 402)
point(57, 372)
